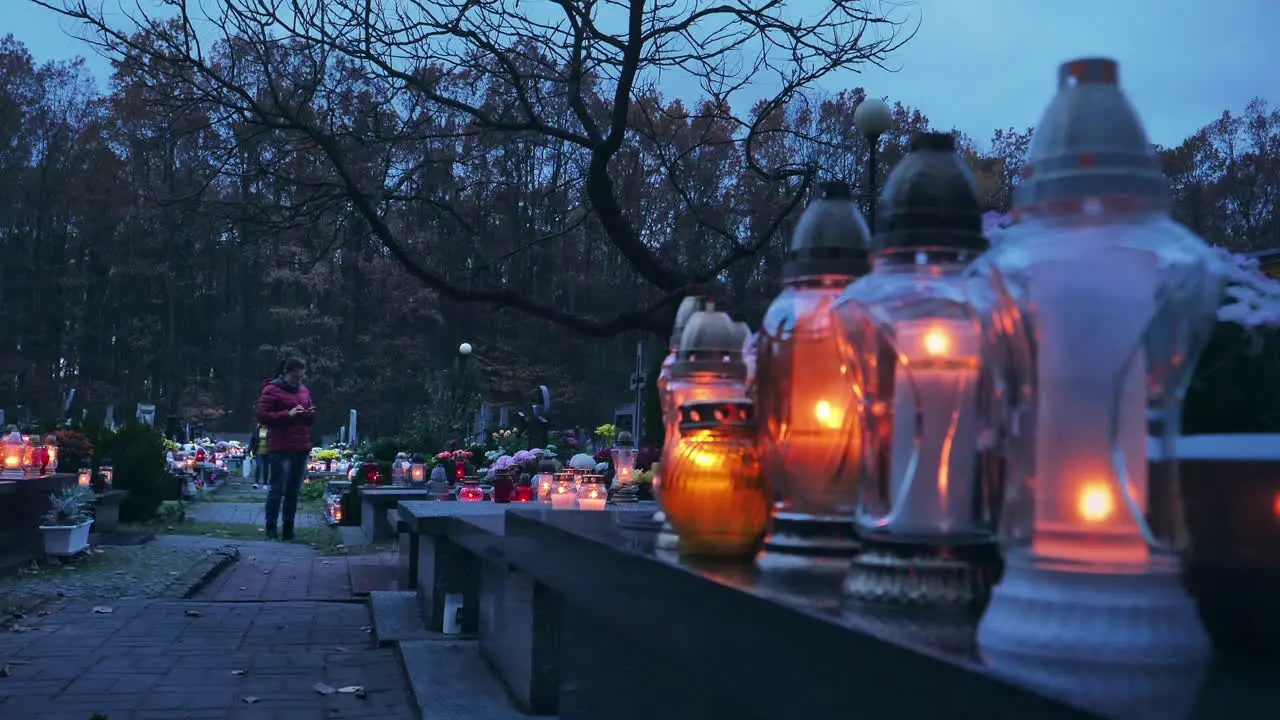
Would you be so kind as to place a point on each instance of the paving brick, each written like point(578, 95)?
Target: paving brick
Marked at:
point(179, 660)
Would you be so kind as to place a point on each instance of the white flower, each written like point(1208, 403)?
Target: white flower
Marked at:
point(1253, 298)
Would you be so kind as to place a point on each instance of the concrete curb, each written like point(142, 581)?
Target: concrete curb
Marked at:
point(204, 572)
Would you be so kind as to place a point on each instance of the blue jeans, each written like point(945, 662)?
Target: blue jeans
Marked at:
point(260, 462)
point(287, 470)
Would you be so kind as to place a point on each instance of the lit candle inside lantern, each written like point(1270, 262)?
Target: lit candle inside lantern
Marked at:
point(564, 493)
point(542, 481)
point(418, 472)
point(592, 496)
point(811, 453)
point(935, 385)
point(86, 477)
point(471, 492)
point(1086, 382)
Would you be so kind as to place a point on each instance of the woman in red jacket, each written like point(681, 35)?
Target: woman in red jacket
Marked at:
point(285, 409)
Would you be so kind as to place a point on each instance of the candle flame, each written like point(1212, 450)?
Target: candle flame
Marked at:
point(11, 461)
point(1096, 503)
point(827, 415)
point(937, 342)
point(1275, 506)
point(705, 460)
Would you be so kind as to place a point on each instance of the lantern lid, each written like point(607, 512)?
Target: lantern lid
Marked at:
point(831, 237)
point(419, 457)
point(624, 439)
point(688, 306)
point(931, 200)
point(1089, 144)
point(546, 466)
point(710, 343)
point(729, 413)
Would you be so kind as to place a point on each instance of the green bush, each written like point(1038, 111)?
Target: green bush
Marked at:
point(136, 453)
point(173, 512)
point(385, 449)
point(311, 491)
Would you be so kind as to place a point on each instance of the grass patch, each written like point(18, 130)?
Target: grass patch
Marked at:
point(324, 539)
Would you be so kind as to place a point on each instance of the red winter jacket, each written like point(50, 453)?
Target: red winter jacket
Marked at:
point(285, 433)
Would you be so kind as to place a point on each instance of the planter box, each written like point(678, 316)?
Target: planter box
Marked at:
point(65, 540)
point(1231, 489)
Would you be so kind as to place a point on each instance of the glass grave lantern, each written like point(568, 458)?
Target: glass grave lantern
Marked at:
point(688, 306)
point(470, 491)
point(708, 366)
point(12, 454)
point(564, 491)
point(85, 477)
point(418, 469)
point(1116, 301)
point(106, 475)
point(51, 448)
point(914, 344)
point(808, 430)
point(714, 493)
point(624, 460)
point(592, 493)
point(543, 479)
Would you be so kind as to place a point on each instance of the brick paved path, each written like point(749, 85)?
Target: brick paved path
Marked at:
point(246, 513)
point(253, 644)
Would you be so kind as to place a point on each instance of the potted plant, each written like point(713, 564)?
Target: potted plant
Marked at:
point(66, 524)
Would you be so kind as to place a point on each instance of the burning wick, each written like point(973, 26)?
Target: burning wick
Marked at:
point(1095, 503)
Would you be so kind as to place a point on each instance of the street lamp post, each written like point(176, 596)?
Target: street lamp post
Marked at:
point(873, 118)
point(462, 391)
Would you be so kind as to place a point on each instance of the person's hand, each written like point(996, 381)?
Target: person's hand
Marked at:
point(296, 410)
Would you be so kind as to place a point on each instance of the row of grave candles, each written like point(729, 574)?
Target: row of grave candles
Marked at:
point(921, 394)
point(28, 453)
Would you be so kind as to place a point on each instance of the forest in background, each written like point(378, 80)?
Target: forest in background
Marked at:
point(170, 240)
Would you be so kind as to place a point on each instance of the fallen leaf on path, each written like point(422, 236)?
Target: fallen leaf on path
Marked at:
point(239, 672)
point(367, 628)
point(324, 689)
point(351, 689)
point(193, 613)
point(21, 628)
point(341, 649)
point(5, 672)
point(250, 699)
point(102, 610)
point(43, 613)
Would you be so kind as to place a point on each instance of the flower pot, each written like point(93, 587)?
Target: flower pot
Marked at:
point(65, 540)
point(1231, 491)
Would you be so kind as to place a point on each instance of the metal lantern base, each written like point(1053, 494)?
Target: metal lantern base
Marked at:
point(807, 553)
point(955, 578)
point(1120, 643)
point(625, 494)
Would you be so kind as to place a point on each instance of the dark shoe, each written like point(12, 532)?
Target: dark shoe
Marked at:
point(287, 535)
point(271, 532)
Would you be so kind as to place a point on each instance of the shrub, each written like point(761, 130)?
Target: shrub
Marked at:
point(137, 459)
point(311, 491)
point(173, 512)
point(385, 449)
point(74, 450)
